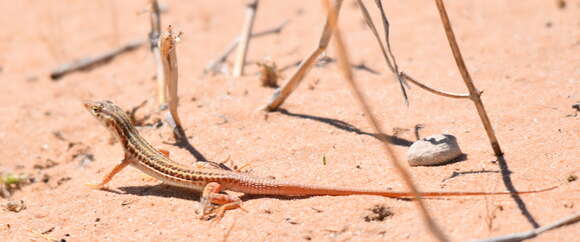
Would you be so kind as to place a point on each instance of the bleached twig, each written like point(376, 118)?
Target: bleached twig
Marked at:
point(154, 35)
point(214, 65)
point(251, 9)
point(534, 232)
point(167, 47)
point(473, 92)
point(90, 62)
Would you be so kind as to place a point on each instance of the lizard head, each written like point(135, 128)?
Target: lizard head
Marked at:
point(108, 114)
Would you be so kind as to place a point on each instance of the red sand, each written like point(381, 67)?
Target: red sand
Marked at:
point(524, 56)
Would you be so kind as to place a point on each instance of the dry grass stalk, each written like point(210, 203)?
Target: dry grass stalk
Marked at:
point(154, 35)
point(283, 92)
point(90, 62)
point(167, 46)
point(534, 232)
point(473, 92)
point(214, 66)
point(390, 58)
point(241, 54)
point(344, 65)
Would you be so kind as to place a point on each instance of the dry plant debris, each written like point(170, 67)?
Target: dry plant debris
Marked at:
point(15, 205)
point(91, 62)
point(269, 73)
point(245, 36)
point(379, 213)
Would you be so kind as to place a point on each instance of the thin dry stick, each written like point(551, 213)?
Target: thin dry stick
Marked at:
point(167, 46)
point(214, 65)
point(473, 93)
point(433, 90)
point(344, 64)
point(534, 232)
point(283, 92)
point(251, 9)
point(154, 34)
point(393, 64)
point(89, 62)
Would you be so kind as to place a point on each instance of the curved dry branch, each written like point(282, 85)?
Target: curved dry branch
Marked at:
point(432, 90)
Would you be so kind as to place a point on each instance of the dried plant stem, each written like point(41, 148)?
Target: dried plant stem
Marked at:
point(167, 46)
point(390, 58)
point(251, 9)
point(534, 232)
point(213, 65)
point(344, 65)
point(432, 90)
point(154, 35)
point(283, 92)
point(473, 93)
point(89, 62)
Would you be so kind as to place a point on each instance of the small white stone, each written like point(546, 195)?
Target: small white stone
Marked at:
point(433, 150)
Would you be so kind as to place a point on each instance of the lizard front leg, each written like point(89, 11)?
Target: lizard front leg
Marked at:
point(124, 163)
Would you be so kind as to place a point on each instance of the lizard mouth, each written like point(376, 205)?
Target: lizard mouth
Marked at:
point(88, 104)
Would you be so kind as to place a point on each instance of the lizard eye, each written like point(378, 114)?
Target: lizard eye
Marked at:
point(96, 109)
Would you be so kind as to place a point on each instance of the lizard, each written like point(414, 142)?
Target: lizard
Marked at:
point(211, 179)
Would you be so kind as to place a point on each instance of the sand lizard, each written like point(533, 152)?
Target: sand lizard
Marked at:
point(210, 179)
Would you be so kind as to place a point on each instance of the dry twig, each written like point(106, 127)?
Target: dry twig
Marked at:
point(390, 58)
point(90, 62)
point(167, 46)
point(474, 94)
point(534, 232)
point(287, 88)
point(347, 72)
point(154, 35)
point(214, 66)
point(251, 9)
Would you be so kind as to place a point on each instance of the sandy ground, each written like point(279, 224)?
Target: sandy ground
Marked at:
point(524, 56)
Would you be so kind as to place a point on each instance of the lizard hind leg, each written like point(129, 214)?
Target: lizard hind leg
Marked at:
point(211, 195)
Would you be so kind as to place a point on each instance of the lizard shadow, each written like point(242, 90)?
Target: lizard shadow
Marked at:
point(163, 190)
point(159, 190)
point(348, 127)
